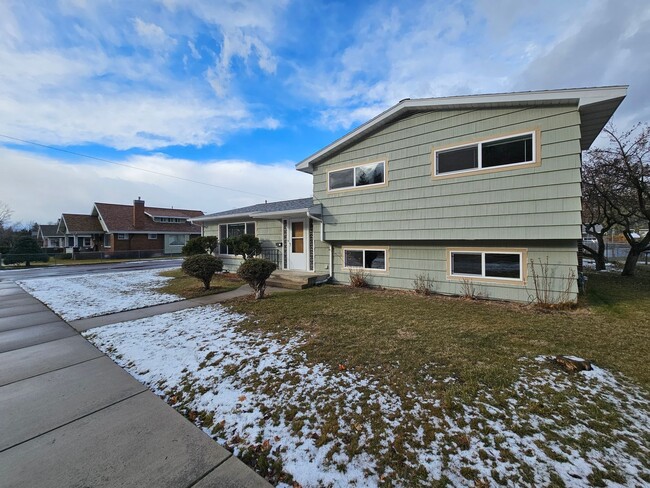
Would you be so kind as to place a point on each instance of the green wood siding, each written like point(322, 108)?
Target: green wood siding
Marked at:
point(540, 202)
point(406, 260)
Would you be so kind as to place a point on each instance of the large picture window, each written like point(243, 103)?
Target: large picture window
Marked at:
point(233, 230)
point(357, 176)
point(365, 258)
point(493, 265)
point(505, 151)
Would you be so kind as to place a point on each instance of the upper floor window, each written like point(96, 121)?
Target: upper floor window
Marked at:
point(492, 153)
point(357, 176)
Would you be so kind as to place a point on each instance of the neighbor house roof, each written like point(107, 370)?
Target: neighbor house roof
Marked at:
point(119, 218)
point(78, 223)
point(261, 209)
point(596, 106)
point(49, 231)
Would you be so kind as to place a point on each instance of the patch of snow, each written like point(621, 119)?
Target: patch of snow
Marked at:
point(77, 297)
point(247, 380)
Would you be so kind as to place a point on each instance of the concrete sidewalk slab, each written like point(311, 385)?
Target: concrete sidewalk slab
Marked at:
point(20, 364)
point(48, 401)
point(138, 442)
point(16, 310)
point(232, 474)
point(18, 300)
point(25, 320)
point(8, 292)
point(38, 334)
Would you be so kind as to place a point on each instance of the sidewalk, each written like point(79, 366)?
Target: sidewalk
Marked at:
point(82, 325)
point(69, 416)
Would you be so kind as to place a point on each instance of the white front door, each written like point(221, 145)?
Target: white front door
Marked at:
point(297, 232)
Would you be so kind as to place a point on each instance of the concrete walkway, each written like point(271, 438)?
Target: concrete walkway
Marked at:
point(141, 313)
point(70, 417)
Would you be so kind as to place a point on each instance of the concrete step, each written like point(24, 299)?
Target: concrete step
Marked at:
point(294, 280)
point(288, 284)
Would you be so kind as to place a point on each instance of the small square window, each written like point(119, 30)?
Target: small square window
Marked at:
point(122, 237)
point(153, 237)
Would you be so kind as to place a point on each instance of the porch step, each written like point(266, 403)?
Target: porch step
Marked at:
point(294, 280)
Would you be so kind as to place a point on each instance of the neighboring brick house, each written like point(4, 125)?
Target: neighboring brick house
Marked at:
point(82, 232)
point(140, 228)
point(49, 237)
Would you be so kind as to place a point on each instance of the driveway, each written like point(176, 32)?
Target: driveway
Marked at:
point(69, 416)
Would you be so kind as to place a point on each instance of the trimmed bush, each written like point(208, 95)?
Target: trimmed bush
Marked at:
point(26, 250)
point(202, 267)
point(200, 245)
point(246, 246)
point(255, 272)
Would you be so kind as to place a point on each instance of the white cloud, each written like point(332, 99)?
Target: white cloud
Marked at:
point(56, 186)
point(152, 35)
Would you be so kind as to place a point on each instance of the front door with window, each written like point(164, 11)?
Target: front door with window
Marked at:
point(297, 244)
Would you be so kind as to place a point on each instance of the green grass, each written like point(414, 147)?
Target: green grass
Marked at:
point(477, 342)
point(188, 287)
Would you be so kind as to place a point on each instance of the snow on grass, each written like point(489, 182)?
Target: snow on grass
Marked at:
point(322, 426)
point(76, 297)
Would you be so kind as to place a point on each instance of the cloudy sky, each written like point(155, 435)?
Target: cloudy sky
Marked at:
point(231, 94)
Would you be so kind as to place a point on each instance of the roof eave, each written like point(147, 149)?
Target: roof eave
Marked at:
point(583, 97)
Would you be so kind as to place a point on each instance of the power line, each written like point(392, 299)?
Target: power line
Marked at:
point(131, 167)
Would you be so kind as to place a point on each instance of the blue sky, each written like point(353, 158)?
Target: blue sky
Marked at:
point(235, 93)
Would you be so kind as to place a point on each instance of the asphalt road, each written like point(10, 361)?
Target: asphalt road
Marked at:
point(75, 270)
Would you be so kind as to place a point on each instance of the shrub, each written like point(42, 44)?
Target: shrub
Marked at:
point(424, 284)
point(255, 272)
point(200, 245)
point(543, 294)
point(26, 250)
point(202, 267)
point(359, 279)
point(247, 246)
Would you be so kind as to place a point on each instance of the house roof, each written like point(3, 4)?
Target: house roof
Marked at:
point(288, 206)
point(49, 230)
point(596, 106)
point(78, 223)
point(119, 218)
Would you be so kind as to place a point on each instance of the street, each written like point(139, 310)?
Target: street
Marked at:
point(8, 274)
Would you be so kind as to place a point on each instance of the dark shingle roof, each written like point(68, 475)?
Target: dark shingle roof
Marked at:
point(283, 206)
point(119, 218)
point(82, 223)
point(50, 230)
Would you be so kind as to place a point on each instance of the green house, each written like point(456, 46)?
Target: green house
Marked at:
point(478, 193)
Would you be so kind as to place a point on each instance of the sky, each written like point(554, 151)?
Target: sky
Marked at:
point(230, 95)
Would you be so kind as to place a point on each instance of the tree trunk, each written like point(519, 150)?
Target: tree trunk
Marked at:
point(600, 256)
point(631, 260)
point(259, 291)
point(206, 283)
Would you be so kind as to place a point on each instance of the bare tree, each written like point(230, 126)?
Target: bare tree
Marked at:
point(623, 183)
point(598, 217)
point(5, 214)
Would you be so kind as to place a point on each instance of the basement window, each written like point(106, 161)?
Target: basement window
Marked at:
point(372, 259)
point(493, 265)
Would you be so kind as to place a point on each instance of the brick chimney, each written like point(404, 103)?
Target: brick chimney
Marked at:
point(138, 213)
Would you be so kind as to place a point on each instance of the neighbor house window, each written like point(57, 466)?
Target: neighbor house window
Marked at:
point(153, 237)
point(84, 242)
point(179, 240)
point(233, 230)
point(107, 240)
point(70, 241)
point(357, 176)
point(506, 151)
point(122, 237)
point(365, 259)
point(497, 265)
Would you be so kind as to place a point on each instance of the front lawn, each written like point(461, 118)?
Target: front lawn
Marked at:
point(187, 287)
point(336, 386)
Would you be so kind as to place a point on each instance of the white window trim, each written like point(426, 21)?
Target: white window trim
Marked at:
point(354, 183)
point(523, 256)
point(233, 223)
point(478, 144)
point(363, 268)
point(122, 236)
point(154, 238)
